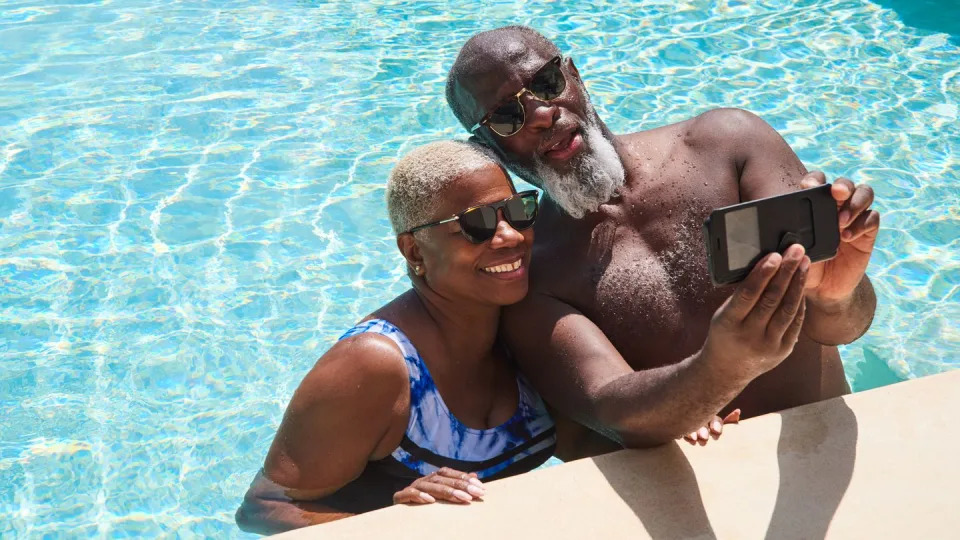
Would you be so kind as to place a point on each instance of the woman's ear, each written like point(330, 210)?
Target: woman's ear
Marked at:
point(411, 252)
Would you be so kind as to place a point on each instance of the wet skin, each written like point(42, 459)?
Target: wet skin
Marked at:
point(626, 287)
point(354, 405)
point(644, 280)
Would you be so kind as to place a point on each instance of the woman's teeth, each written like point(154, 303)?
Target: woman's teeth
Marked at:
point(503, 267)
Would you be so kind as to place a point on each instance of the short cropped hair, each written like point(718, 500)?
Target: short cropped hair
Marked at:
point(422, 175)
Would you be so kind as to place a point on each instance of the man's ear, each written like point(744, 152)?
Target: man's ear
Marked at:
point(409, 249)
point(477, 139)
point(485, 137)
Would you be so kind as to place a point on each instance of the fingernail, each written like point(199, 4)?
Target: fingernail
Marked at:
point(476, 482)
point(805, 264)
point(717, 426)
point(475, 491)
point(462, 495)
point(427, 497)
point(773, 261)
point(704, 433)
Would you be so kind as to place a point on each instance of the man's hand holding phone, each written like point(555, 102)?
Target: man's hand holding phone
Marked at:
point(835, 280)
point(757, 327)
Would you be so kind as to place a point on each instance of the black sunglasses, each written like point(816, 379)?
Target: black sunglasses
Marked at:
point(479, 223)
point(546, 85)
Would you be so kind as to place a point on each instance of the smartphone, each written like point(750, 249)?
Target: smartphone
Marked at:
point(738, 236)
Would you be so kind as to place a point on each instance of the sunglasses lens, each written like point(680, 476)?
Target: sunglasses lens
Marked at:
point(521, 211)
point(507, 119)
point(479, 224)
point(549, 82)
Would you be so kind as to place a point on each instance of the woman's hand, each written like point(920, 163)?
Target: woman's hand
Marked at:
point(713, 429)
point(444, 485)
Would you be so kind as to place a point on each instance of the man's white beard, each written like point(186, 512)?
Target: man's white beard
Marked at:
point(592, 181)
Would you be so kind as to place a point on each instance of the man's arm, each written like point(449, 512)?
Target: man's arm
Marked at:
point(840, 297)
point(579, 372)
point(320, 445)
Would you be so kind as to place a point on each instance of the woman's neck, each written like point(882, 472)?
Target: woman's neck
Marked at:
point(467, 329)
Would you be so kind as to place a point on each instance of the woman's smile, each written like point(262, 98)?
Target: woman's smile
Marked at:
point(507, 271)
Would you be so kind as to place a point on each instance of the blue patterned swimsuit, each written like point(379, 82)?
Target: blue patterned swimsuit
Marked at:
point(435, 438)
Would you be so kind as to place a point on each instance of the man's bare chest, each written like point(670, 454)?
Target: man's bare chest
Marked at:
point(643, 277)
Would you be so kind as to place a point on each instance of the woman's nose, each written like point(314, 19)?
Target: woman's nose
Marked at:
point(505, 236)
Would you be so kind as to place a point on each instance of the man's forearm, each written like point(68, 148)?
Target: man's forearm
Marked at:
point(839, 323)
point(652, 407)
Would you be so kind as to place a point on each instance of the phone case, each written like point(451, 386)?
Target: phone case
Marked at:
point(807, 217)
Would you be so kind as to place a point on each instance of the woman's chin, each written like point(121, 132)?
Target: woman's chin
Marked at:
point(487, 290)
point(509, 293)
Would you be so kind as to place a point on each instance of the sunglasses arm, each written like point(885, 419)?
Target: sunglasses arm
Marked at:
point(434, 224)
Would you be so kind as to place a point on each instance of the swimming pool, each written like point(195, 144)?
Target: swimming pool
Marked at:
point(191, 207)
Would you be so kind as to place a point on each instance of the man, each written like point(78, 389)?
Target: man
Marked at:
point(622, 330)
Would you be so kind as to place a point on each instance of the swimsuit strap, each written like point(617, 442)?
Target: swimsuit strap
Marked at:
point(436, 438)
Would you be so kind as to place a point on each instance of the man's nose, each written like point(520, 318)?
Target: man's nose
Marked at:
point(505, 236)
point(539, 114)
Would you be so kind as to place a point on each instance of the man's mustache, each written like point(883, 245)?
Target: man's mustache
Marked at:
point(560, 126)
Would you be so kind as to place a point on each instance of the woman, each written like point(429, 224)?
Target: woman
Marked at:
point(420, 390)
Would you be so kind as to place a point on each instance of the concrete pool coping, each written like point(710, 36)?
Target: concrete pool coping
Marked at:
point(883, 463)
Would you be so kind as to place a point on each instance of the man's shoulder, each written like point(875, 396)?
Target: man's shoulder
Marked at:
point(557, 265)
point(724, 127)
point(560, 257)
point(714, 127)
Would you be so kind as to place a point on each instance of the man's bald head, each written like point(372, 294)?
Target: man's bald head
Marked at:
point(483, 57)
point(494, 65)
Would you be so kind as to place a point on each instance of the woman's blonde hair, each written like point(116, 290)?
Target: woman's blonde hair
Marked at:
point(421, 175)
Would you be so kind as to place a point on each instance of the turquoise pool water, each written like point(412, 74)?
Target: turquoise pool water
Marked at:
point(191, 206)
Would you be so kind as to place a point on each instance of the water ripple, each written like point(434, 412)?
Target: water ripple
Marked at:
point(192, 206)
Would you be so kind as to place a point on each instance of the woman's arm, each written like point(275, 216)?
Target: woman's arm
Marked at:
point(338, 420)
point(269, 508)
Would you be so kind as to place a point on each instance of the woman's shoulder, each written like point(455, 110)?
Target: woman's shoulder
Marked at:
point(361, 356)
point(362, 376)
point(367, 361)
